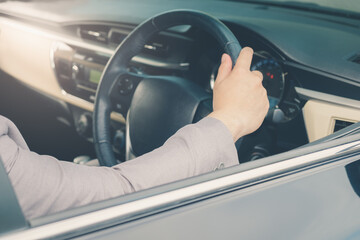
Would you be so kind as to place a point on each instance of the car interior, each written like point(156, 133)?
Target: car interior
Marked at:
point(53, 55)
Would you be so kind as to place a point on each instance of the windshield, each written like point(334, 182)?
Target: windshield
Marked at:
point(348, 8)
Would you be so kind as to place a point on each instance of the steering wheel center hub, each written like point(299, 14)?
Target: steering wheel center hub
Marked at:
point(160, 106)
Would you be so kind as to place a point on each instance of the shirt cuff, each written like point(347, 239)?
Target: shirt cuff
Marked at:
point(217, 149)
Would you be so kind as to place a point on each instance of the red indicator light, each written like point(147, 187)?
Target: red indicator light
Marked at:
point(272, 76)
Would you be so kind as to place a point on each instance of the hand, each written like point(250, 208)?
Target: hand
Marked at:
point(240, 100)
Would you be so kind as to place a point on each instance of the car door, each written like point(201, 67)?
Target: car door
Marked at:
point(311, 192)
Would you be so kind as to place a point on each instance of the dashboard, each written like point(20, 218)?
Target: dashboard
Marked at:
point(312, 82)
point(79, 70)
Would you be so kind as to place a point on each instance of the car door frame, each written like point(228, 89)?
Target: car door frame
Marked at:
point(136, 206)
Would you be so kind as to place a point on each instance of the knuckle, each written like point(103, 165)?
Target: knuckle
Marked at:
point(258, 83)
point(239, 71)
point(248, 49)
point(267, 104)
point(264, 91)
point(258, 74)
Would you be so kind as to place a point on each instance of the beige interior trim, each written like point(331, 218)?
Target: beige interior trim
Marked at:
point(308, 94)
point(25, 54)
point(320, 116)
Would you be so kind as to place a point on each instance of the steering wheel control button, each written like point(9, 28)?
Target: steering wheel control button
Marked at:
point(125, 86)
point(118, 107)
point(76, 71)
point(84, 125)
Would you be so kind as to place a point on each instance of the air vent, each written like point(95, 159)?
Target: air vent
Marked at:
point(117, 36)
point(339, 124)
point(355, 58)
point(94, 33)
point(159, 45)
point(157, 48)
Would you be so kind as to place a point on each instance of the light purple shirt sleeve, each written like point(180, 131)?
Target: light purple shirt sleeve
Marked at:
point(45, 185)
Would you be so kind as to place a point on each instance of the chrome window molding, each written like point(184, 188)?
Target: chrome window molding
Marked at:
point(120, 213)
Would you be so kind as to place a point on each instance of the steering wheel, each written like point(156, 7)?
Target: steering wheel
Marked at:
point(155, 106)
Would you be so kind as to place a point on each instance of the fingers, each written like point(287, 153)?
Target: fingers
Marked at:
point(224, 69)
point(244, 59)
point(258, 74)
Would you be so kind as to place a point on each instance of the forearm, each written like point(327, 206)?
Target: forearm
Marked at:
point(193, 150)
point(45, 185)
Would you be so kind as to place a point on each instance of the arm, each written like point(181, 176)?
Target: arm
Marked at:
point(45, 185)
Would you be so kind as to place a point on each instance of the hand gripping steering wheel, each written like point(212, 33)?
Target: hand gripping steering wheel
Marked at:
point(155, 106)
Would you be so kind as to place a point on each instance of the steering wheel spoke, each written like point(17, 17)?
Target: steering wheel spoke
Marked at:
point(205, 108)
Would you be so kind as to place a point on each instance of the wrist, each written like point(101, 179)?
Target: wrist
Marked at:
point(235, 127)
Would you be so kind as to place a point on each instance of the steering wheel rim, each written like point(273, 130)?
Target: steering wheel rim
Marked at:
point(132, 46)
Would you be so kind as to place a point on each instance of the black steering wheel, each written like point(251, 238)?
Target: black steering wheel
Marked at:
point(155, 106)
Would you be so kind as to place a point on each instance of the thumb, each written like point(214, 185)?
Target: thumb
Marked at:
point(224, 69)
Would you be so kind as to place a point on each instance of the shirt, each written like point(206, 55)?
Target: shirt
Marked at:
point(45, 185)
